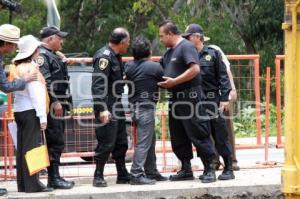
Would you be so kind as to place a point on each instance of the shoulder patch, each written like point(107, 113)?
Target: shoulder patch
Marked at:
point(208, 58)
point(103, 62)
point(106, 52)
point(40, 60)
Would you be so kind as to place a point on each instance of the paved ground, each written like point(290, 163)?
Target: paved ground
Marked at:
point(248, 182)
point(254, 180)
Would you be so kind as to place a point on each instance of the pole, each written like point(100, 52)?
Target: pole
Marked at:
point(291, 168)
point(267, 116)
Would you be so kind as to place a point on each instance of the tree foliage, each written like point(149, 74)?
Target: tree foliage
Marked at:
point(238, 26)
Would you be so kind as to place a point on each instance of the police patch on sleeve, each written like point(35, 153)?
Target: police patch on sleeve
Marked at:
point(208, 58)
point(106, 52)
point(103, 63)
point(40, 60)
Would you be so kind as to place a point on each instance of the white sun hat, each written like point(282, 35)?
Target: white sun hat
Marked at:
point(9, 33)
point(26, 47)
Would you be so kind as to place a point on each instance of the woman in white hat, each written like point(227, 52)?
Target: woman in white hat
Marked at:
point(30, 113)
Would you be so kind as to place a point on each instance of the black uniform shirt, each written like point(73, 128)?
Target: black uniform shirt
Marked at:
point(55, 73)
point(177, 60)
point(108, 68)
point(145, 75)
point(213, 72)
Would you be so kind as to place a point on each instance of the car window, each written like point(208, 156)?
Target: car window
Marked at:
point(80, 85)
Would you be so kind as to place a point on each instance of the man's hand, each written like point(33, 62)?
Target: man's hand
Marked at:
point(58, 110)
point(224, 106)
point(105, 116)
point(61, 55)
point(28, 77)
point(168, 83)
point(233, 95)
point(43, 126)
point(64, 58)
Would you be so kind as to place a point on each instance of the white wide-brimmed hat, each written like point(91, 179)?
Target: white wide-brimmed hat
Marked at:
point(9, 33)
point(26, 47)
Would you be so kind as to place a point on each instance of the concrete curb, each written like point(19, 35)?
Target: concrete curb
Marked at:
point(250, 183)
point(266, 191)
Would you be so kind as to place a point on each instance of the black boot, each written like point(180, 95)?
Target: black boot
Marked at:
point(141, 180)
point(185, 173)
point(98, 176)
point(205, 168)
point(3, 191)
point(157, 176)
point(54, 179)
point(123, 175)
point(209, 175)
point(43, 188)
point(227, 173)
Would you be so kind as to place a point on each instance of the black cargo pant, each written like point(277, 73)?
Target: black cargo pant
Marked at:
point(219, 129)
point(189, 125)
point(55, 136)
point(112, 137)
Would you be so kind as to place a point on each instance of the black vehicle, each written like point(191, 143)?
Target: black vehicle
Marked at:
point(80, 127)
point(79, 134)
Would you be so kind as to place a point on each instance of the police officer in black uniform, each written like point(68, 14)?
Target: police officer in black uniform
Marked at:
point(216, 86)
point(55, 73)
point(107, 87)
point(188, 121)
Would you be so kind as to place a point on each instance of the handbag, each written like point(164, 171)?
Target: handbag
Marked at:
point(37, 158)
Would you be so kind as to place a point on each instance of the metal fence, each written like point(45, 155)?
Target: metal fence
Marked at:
point(80, 138)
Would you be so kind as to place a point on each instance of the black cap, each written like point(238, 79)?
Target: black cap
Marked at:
point(52, 30)
point(194, 28)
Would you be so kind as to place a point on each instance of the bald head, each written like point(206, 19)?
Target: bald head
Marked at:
point(118, 35)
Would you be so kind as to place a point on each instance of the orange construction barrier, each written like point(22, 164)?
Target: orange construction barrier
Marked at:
point(267, 121)
point(256, 79)
point(80, 142)
point(8, 147)
point(236, 70)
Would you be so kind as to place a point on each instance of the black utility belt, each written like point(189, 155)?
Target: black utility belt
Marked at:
point(187, 94)
point(187, 90)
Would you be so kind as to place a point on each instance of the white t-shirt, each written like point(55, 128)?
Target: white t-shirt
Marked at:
point(32, 97)
point(224, 58)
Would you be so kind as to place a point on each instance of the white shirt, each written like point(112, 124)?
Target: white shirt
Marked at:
point(32, 97)
point(224, 58)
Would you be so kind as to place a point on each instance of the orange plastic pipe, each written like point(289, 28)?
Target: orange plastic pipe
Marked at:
point(5, 135)
point(164, 139)
point(242, 57)
point(278, 101)
point(267, 116)
point(257, 100)
point(157, 58)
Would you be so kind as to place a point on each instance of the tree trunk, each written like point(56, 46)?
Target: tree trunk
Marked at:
point(238, 17)
point(249, 44)
point(178, 4)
